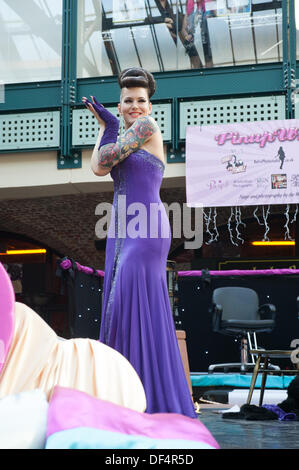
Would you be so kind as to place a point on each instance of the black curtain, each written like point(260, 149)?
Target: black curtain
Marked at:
point(206, 347)
point(84, 293)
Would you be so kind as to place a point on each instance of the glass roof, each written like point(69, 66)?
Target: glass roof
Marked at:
point(159, 35)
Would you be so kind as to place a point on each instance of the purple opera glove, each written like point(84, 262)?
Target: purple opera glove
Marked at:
point(112, 123)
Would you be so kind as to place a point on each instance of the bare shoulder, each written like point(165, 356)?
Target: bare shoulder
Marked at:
point(154, 144)
point(146, 125)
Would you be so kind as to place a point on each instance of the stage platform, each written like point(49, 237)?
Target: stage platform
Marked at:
point(204, 379)
point(232, 388)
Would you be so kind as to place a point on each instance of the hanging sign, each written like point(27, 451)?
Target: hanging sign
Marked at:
point(243, 164)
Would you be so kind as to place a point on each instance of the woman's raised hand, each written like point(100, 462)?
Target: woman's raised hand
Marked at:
point(103, 116)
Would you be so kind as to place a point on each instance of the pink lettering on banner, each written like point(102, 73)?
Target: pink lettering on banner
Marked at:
point(282, 135)
point(236, 139)
point(222, 138)
point(292, 134)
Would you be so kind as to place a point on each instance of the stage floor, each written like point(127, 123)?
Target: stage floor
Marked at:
point(242, 434)
point(224, 391)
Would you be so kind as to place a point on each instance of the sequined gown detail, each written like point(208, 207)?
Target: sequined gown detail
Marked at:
point(136, 318)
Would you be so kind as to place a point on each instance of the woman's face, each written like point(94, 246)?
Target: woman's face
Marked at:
point(134, 104)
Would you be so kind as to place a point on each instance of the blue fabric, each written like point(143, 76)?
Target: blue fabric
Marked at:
point(239, 381)
point(91, 438)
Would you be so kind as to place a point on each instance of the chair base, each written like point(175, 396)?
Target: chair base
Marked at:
point(243, 366)
point(264, 369)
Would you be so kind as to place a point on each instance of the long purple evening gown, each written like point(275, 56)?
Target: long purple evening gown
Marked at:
point(136, 314)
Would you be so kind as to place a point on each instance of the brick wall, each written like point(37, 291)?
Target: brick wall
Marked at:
point(66, 224)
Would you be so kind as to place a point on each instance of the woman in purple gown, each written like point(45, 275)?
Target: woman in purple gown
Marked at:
point(136, 314)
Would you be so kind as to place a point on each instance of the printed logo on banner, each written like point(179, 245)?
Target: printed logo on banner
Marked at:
point(262, 182)
point(233, 164)
point(279, 181)
point(295, 180)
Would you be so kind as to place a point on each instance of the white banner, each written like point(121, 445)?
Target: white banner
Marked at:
point(243, 164)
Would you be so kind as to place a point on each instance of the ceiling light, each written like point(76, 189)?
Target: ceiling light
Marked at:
point(274, 243)
point(24, 252)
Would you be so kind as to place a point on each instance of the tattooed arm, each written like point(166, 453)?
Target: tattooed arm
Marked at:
point(110, 155)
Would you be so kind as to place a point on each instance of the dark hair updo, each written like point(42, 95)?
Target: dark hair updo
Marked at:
point(137, 77)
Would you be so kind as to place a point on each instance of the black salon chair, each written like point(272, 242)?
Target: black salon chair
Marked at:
point(236, 312)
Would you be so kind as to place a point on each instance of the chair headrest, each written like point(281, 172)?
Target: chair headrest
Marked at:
point(7, 305)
